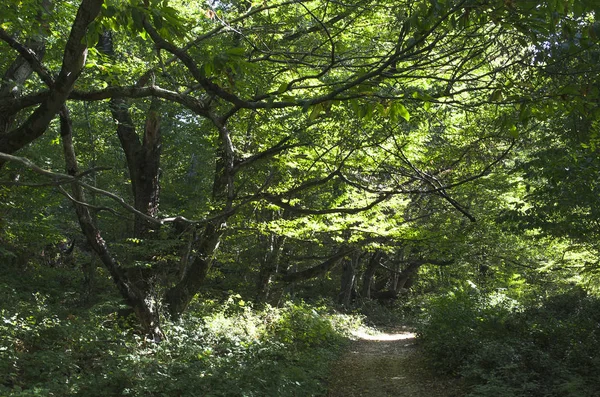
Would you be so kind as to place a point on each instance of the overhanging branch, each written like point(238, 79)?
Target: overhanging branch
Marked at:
point(316, 270)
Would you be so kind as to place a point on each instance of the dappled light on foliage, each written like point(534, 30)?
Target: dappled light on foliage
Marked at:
point(215, 197)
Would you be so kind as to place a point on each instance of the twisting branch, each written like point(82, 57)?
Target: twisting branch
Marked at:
point(331, 61)
point(413, 264)
point(75, 54)
point(59, 179)
point(112, 92)
point(74, 200)
point(278, 201)
point(435, 183)
point(278, 148)
point(29, 56)
point(318, 269)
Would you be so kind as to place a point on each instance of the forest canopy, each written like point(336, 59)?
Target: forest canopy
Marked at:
point(274, 148)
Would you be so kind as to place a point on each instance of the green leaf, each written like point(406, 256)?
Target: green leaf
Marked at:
point(209, 69)
point(403, 112)
point(315, 111)
point(282, 88)
point(236, 51)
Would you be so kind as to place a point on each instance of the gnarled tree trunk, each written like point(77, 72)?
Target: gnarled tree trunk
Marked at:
point(143, 304)
point(179, 296)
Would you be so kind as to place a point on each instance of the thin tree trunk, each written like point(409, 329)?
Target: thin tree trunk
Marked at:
point(269, 267)
point(20, 70)
point(347, 281)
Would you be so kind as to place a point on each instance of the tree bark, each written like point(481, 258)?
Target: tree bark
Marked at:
point(20, 71)
point(143, 160)
point(73, 61)
point(179, 296)
point(372, 266)
point(143, 157)
point(348, 281)
point(269, 266)
point(15, 76)
point(143, 304)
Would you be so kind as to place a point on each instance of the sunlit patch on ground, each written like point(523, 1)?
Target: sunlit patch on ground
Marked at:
point(386, 362)
point(380, 336)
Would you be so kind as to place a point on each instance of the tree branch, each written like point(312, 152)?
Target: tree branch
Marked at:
point(73, 60)
point(29, 56)
point(316, 270)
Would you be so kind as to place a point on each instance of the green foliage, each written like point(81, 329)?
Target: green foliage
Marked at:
point(51, 344)
point(501, 348)
point(304, 128)
point(301, 326)
point(404, 310)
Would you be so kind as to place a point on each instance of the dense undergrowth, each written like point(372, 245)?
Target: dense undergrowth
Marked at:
point(58, 340)
point(504, 348)
point(51, 344)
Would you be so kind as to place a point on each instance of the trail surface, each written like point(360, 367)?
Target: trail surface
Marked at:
point(387, 364)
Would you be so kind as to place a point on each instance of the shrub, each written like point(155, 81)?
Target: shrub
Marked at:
point(217, 349)
point(502, 350)
point(303, 326)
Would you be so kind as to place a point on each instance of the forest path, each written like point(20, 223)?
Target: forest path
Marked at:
point(385, 364)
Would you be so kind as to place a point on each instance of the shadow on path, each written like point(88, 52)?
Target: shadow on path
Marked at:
point(387, 364)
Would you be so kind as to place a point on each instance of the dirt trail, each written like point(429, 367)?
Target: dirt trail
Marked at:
point(387, 364)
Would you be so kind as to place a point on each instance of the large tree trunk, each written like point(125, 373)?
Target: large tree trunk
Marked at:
point(143, 156)
point(143, 160)
point(179, 296)
point(143, 304)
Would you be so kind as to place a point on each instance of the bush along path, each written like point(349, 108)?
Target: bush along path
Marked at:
point(390, 363)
